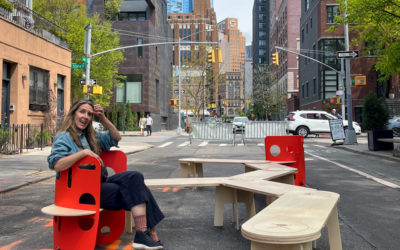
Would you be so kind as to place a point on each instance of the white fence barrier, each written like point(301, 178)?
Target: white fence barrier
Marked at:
point(212, 131)
point(257, 130)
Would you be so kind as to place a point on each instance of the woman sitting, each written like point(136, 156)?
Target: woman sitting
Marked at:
point(126, 190)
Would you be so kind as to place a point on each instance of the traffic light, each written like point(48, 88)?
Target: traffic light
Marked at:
point(211, 56)
point(173, 102)
point(360, 80)
point(275, 58)
point(335, 100)
point(218, 55)
point(87, 89)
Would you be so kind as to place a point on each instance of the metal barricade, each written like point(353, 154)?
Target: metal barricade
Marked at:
point(212, 131)
point(259, 130)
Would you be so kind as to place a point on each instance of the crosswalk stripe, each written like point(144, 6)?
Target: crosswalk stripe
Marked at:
point(204, 143)
point(260, 144)
point(223, 145)
point(183, 144)
point(241, 144)
point(165, 144)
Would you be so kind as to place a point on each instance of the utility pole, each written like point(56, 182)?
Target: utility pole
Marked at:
point(351, 137)
point(88, 42)
point(342, 85)
point(179, 129)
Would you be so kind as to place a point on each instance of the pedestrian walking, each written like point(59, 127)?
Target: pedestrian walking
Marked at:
point(125, 190)
point(333, 112)
point(142, 124)
point(149, 124)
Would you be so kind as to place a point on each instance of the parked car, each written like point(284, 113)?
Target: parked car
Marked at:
point(239, 123)
point(305, 122)
point(394, 125)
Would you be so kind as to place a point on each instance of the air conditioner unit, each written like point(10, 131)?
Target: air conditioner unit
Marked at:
point(11, 108)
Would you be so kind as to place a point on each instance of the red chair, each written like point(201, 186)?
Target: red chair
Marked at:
point(78, 222)
point(287, 148)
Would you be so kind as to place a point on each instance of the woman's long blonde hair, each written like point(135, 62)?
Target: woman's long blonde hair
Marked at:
point(69, 126)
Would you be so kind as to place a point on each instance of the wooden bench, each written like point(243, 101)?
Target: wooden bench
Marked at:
point(396, 150)
point(294, 221)
point(233, 189)
point(191, 167)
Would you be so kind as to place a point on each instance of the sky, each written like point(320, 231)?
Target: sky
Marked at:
point(240, 9)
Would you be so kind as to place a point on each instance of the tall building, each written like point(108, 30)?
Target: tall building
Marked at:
point(285, 32)
point(197, 26)
point(180, 6)
point(35, 68)
point(233, 47)
point(149, 68)
point(318, 84)
point(248, 76)
point(260, 44)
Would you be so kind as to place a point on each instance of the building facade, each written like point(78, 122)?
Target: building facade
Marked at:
point(148, 68)
point(260, 43)
point(318, 84)
point(180, 6)
point(35, 69)
point(284, 32)
point(233, 47)
point(200, 26)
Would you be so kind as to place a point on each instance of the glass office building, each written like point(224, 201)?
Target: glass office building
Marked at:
point(180, 6)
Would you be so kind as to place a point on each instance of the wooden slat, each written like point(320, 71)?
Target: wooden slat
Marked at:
point(63, 211)
point(294, 218)
point(185, 182)
point(227, 161)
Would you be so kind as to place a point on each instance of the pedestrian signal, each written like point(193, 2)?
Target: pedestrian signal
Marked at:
point(360, 80)
point(218, 55)
point(173, 102)
point(211, 56)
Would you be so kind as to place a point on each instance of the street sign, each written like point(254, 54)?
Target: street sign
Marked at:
point(84, 59)
point(78, 66)
point(82, 82)
point(93, 81)
point(347, 54)
point(177, 91)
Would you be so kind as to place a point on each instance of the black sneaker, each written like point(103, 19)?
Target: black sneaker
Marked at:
point(144, 241)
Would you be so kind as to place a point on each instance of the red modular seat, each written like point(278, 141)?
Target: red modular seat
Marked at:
point(78, 222)
point(287, 148)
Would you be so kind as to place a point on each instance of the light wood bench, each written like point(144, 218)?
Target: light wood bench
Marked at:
point(396, 150)
point(232, 190)
point(191, 167)
point(294, 221)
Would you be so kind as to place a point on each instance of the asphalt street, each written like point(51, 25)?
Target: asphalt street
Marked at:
point(369, 208)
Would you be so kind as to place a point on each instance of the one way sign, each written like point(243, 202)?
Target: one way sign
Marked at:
point(347, 54)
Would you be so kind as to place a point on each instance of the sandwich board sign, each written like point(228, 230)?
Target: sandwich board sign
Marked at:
point(337, 130)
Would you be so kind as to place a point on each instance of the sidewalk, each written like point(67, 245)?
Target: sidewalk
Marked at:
point(14, 175)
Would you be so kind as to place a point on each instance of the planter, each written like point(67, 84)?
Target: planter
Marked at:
point(374, 144)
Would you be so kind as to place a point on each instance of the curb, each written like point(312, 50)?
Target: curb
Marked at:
point(12, 188)
point(388, 157)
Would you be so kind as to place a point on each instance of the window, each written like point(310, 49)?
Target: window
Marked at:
point(302, 36)
point(157, 90)
point(307, 89)
point(130, 91)
point(140, 49)
point(60, 95)
point(38, 87)
point(314, 86)
point(132, 16)
point(331, 11)
point(306, 4)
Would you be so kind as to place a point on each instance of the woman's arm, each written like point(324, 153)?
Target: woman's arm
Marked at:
point(67, 161)
point(99, 113)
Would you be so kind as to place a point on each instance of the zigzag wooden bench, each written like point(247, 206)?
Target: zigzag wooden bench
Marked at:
point(191, 167)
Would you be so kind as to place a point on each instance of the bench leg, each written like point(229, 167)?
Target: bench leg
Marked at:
point(335, 241)
point(128, 222)
point(222, 195)
point(262, 246)
point(248, 199)
point(186, 170)
point(199, 169)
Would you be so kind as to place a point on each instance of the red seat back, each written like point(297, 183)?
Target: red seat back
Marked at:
point(287, 148)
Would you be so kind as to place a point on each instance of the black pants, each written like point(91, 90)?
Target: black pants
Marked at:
point(148, 128)
point(127, 189)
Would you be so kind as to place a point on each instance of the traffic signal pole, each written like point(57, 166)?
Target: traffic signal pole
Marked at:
point(351, 137)
point(87, 48)
point(179, 129)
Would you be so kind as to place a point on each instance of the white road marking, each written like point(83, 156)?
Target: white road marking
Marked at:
point(260, 144)
point(165, 144)
point(320, 146)
point(223, 145)
point(203, 144)
point(240, 144)
point(184, 144)
point(378, 180)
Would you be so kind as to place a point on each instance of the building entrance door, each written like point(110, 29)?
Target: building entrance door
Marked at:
point(5, 95)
